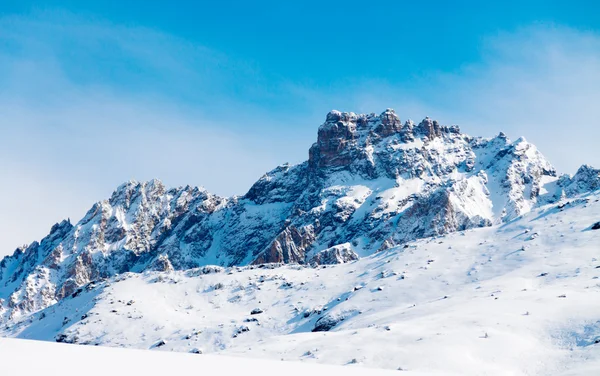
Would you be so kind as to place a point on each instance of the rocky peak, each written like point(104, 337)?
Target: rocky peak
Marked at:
point(588, 175)
point(586, 179)
point(282, 184)
point(389, 123)
point(128, 192)
point(61, 228)
point(346, 137)
point(429, 128)
point(370, 182)
point(335, 138)
point(407, 131)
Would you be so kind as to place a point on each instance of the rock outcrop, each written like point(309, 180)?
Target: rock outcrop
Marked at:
point(338, 254)
point(586, 179)
point(370, 182)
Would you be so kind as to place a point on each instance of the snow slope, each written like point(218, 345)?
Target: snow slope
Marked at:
point(516, 298)
point(107, 361)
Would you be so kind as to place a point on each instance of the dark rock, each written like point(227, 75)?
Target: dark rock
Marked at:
point(288, 247)
point(326, 323)
point(429, 128)
point(389, 123)
point(256, 311)
point(63, 338)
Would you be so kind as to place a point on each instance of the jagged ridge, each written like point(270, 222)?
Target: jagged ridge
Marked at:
point(371, 182)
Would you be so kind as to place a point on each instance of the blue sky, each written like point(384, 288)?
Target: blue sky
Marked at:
point(217, 93)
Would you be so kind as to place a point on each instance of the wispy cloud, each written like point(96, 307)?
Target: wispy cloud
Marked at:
point(541, 82)
point(70, 135)
point(171, 109)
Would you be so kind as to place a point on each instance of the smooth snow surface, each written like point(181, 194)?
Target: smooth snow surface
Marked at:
point(41, 358)
point(520, 298)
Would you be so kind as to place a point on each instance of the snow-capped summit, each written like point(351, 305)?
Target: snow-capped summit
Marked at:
point(586, 179)
point(370, 183)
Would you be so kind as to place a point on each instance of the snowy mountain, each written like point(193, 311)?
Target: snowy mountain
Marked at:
point(372, 185)
point(518, 298)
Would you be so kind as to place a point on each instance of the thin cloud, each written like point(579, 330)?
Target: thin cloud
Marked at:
point(539, 82)
point(189, 115)
point(67, 143)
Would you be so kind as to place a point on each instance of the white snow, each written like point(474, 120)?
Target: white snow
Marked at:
point(391, 199)
point(41, 358)
point(493, 301)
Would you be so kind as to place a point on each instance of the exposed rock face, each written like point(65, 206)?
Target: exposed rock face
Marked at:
point(161, 264)
point(289, 246)
point(370, 182)
point(389, 124)
point(586, 179)
point(338, 254)
point(430, 128)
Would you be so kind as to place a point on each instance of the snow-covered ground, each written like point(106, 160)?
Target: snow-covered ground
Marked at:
point(61, 359)
point(521, 298)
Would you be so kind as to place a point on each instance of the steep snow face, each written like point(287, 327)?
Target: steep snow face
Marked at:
point(371, 183)
point(517, 298)
point(517, 173)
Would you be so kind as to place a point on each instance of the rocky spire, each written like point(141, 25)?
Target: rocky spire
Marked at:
point(389, 123)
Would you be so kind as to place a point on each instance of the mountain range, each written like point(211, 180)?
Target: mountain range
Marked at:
point(371, 183)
